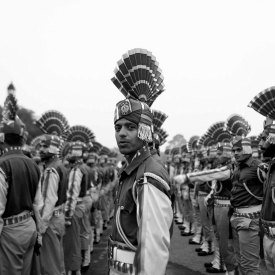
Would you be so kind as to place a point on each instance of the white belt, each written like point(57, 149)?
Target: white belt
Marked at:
point(223, 202)
point(202, 193)
point(123, 256)
point(246, 210)
point(79, 199)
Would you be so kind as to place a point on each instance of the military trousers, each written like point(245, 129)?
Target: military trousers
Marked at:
point(205, 219)
point(16, 247)
point(269, 254)
point(222, 229)
point(246, 243)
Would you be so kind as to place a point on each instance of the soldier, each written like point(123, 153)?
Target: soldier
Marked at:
point(78, 205)
point(20, 195)
point(54, 183)
point(263, 103)
point(96, 219)
point(143, 205)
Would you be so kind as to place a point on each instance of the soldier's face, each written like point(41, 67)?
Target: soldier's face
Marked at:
point(127, 137)
point(267, 148)
point(237, 152)
point(44, 151)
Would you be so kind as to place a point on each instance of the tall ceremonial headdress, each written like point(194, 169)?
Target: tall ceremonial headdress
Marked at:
point(11, 123)
point(264, 103)
point(222, 137)
point(192, 145)
point(158, 121)
point(139, 79)
point(80, 139)
point(54, 125)
point(162, 136)
point(103, 154)
point(176, 154)
point(94, 152)
point(239, 128)
point(255, 146)
point(168, 154)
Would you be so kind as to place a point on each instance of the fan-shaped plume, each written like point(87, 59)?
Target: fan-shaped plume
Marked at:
point(184, 149)
point(201, 140)
point(158, 120)
point(176, 151)
point(236, 125)
point(208, 142)
point(10, 108)
point(79, 133)
point(192, 143)
point(162, 136)
point(96, 147)
point(217, 132)
point(264, 103)
point(53, 123)
point(104, 151)
point(36, 142)
point(138, 76)
point(64, 150)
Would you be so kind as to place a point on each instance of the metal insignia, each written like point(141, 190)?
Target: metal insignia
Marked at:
point(125, 108)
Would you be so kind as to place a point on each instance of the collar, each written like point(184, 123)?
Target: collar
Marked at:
point(154, 151)
point(138, 158)
point(51, 161)
point(12, 150)
point(249, 161)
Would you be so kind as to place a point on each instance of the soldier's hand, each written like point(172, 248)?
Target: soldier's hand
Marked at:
point(180, 179)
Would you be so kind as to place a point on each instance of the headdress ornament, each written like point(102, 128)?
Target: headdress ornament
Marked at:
point(239, 128)
point(162, 136)
point(158, 120)
point(139, 79)
point(11, 123)
point(80, 138)
point(94, 151)
point(264, 103)
point(222, 137)
point(192, 145)
point(54, 125)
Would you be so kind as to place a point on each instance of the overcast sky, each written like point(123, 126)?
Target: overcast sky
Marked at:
point(215, 57)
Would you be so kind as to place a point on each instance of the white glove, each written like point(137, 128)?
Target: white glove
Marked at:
point(180, 178)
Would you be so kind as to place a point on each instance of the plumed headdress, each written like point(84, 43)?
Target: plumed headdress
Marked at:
point(255, 146)
point(11, 123)
point(239, 128)
point(64, 150)
point(264, 103)
point(103, 154)
point(162, 136)
point(158, 120)
point(168, 154)
point(94, 151)
point(54, 125)
point(192, 145)
point(222, 137)
point(139, 79)
point(176, 154)
point(80, 139)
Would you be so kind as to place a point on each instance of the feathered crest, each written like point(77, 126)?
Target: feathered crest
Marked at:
point(138, 76)
point(208, 142)
point(264, 103)
point(201, 140)
point(162, 136)
point(217, 132)
point(53, 123)
point(184, 149)
point(104, 151)
point(36, 142)
point(96, 147)
point(192, 143)
point(64, 150)
point(79, 133)
point(10, 109)
point(236, 125)
point(158, 120)
point(176, 151)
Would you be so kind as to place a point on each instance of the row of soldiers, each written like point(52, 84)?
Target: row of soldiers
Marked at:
point(224, 192)
point(67, 184)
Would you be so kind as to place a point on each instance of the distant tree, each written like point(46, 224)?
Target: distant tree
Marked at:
point(177, 141)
